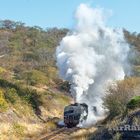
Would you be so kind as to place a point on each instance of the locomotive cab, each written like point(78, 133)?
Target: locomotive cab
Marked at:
point(74, 114)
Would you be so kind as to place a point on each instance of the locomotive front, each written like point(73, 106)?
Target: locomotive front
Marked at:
point(75, 114)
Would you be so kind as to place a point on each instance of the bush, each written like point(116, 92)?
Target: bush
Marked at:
point(119, 95)
point(11, 95)
point(134, 102)
point(3, 103)
point(30, 56)
point(35, 77)
point(18, 129)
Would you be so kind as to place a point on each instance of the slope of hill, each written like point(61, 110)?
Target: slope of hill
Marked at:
point(31, 92)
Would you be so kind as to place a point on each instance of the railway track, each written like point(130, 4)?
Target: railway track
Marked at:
point(58, 134)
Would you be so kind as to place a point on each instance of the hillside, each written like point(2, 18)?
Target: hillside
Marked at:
point(32, 96)
point(31, 92)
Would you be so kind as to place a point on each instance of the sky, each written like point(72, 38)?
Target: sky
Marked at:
point(60, 13)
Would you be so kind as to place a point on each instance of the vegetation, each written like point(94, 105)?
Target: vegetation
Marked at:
point(18, 129)
point(134, 102)
point(3, 103)
point(133, 39)
point(30, 88)
point(31, 92)
point(119, 96)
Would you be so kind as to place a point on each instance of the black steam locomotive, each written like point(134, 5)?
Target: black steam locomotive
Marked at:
point(75, 114)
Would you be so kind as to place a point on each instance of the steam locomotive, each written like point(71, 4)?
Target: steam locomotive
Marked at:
point(75, 114)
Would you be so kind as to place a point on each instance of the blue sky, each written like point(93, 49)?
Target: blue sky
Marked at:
point(60, 13)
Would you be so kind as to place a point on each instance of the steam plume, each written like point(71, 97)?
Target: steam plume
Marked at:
point(91, 57)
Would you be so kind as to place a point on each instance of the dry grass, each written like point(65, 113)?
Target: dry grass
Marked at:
point(20, 130)
point(19, 122)
point(83, 134)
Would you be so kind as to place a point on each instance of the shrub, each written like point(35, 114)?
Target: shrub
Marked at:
point(11, 95)
point(33, 99)
point(134, 102)
point(35, 77)
point(3, 103)
point(119, 95)
point(30, 56)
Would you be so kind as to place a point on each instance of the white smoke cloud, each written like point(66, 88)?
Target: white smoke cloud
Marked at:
point(91, 57)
